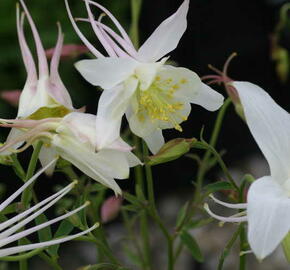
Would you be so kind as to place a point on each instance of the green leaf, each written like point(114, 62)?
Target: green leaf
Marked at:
point(193, 224)
point(172, 150)
point(45, 233)
point(218, 186)
point(286, 247)
point(64, 228)
point(191, 245)
point(181, 214)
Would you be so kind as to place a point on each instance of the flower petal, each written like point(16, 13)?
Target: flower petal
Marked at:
point(208, 98)
point(268, 216)
point(106, 72)
point(87, 160)
point(269, 125)
point(166, 36)
point(46, 155)
point(154, 141)
point(186, 85)
point(112, 106)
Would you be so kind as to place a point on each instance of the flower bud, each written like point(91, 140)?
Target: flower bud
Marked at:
point(111, 208)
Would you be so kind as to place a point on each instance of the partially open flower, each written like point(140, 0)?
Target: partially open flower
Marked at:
point(10, 227)
point(73, 138)
point(138, 83)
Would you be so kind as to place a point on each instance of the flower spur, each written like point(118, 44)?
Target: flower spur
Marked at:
point(9, 228)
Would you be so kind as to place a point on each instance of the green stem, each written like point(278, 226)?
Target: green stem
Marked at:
point(135, 13)
point(18, 168)
point(228, 247)
point(149, 178)
point(243, 257)
point(213, 140)
point(21, 257)
point(26, 195)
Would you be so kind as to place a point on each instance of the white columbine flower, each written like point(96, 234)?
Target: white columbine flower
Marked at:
point(268, 200)
point(73, 139)
point(10, 227)
point(153, 95)
point(44, 94)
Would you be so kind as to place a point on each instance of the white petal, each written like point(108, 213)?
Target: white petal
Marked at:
point(146, 73)
point(106, 72)
point(87, 161)
point(141, 128)
point(111, 108)
point(270, 126)
point(82, 125)
point(166, 36)
point(187, 86)
point(46, 155)
point(208, 98)
point(154, 141)
point(268, 216)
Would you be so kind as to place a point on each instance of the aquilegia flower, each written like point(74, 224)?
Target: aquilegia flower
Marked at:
point(268, 199)
point(73, 138)
point(153, 95)
point(10, 227)
point(44, 94)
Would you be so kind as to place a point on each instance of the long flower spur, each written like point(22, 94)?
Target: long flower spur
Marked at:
point(9, 228)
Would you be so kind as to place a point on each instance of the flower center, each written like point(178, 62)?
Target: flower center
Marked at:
point(159, 104)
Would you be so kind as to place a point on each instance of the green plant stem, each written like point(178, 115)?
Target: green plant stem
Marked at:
point(242, 263)
point(228, 247)
point(26, 195)
point(135, 13)
point(99, 243)
point(213, 140)
point(149, 178)
point(18, 167)
point(22, 257)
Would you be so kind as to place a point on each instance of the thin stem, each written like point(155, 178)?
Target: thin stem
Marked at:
point(228, 247)
point(26, 195)
point(135, 13)
point(23, 256)
point(149, 178)
point(18, 167)
point(213, 140)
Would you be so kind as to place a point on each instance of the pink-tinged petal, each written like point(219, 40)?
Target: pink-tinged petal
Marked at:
point(12, 97)
point(98, 33)
point(111, 208)
point(123, 43)
point(57, 89)
point(93, 50)
point(25, 51)
point(268, 216)
point(166, 36)
point(42, 62)
point(115, 21)
point(68, 51)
